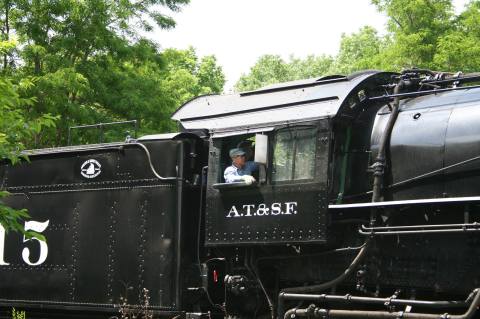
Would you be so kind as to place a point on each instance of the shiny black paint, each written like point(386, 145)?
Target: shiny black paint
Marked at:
point(308, 225)
point(108, 237)
point(433, 132)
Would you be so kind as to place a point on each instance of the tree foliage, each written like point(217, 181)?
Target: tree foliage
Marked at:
point(15, 132)
point(421, 33)
point(271, 69)
point(90, 64)
point(358, 51)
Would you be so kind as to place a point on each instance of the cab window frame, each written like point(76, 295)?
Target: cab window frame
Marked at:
point(223, 145)
point(313, 126)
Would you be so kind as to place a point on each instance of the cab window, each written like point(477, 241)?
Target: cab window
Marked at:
point(243, 142)
point(294, 154)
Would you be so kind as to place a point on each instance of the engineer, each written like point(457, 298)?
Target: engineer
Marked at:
point(247, 146)
point(241, 170)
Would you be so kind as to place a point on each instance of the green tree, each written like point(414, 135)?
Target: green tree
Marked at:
point(359, 51)
point(15, 131)
point(80, 54)
point(459, 49)
point(415, 28)
point(185, 77)
point(271, 69)
point(313, 66)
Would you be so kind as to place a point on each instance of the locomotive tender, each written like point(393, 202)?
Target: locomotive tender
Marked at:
point(366, 205)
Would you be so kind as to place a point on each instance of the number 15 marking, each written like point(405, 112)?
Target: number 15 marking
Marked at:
point(39, 227)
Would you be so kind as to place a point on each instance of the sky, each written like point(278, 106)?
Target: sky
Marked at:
point(238, 32)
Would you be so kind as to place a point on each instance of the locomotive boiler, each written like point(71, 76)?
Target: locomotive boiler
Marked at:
point(365, 205)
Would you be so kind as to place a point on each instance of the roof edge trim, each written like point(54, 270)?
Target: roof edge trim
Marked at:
point(294, 86)
point(265, 108)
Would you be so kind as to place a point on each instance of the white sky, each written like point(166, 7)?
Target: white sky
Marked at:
point(238, 32)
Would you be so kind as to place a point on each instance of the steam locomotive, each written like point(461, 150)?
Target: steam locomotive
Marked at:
point(366, 205)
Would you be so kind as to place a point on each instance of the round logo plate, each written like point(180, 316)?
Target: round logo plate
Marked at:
point(91, 168)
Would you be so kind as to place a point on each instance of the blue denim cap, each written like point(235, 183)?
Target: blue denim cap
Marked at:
point(234, 152)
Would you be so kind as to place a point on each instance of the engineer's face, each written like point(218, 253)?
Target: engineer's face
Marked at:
point(239, 161)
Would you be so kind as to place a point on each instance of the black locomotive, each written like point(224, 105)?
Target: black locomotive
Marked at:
point(366, 205)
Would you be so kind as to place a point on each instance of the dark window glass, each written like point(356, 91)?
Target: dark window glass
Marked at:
point(294, 154)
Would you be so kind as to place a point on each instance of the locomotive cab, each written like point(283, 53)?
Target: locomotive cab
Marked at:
point(302, 124)
point(285, 203)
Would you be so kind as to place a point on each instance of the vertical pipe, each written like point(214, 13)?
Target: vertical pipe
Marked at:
point(379, 165)
point(343, 169)
point(179, 242)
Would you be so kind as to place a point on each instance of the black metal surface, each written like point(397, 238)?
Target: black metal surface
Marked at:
point(127, 228)
point(305, 221)
point(109, 236)
point(461, 143)
point(432, 133)
point(290, 211)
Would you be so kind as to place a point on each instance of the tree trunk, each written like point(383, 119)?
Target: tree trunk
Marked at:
point(37, 64)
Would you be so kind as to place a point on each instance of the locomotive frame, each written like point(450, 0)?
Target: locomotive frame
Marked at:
point(366, 204)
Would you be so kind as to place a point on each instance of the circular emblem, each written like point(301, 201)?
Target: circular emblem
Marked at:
point(91, 168)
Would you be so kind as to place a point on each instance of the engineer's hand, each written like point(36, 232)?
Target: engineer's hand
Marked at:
point(248, 179)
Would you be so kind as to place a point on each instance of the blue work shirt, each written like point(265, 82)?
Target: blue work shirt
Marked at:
point(234, 174)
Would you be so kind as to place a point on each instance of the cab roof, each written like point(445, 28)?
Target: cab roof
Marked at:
point(282, 103)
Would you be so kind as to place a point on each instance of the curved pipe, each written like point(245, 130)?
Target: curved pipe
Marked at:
point(379, 165)
point(149, 158)
point(115, 147)
point(326, 285)
point(333, 282)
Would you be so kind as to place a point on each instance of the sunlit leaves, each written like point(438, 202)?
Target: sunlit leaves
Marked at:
point(271, 69)
point(16, 132)
point(421, 33)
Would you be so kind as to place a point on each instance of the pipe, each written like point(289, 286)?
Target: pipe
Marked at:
point(179, 236)
point(326, 285)
point(114, 147)
point(333, 282)
point(255, 274)
point(292, 313)
point(203, 183)
point(147, 153)
point(391, 301)
point(379, 164)
point(99, 126)
point(420, 229)
point(312, 311)
point(421, 93)
point(343, 170)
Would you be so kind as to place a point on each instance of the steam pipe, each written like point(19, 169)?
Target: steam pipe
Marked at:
point(180, 221)
point(379, 165)
point(326, 285)
point(422, 93)
point(348, 299)
point(333, 282)
point(313, 311)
